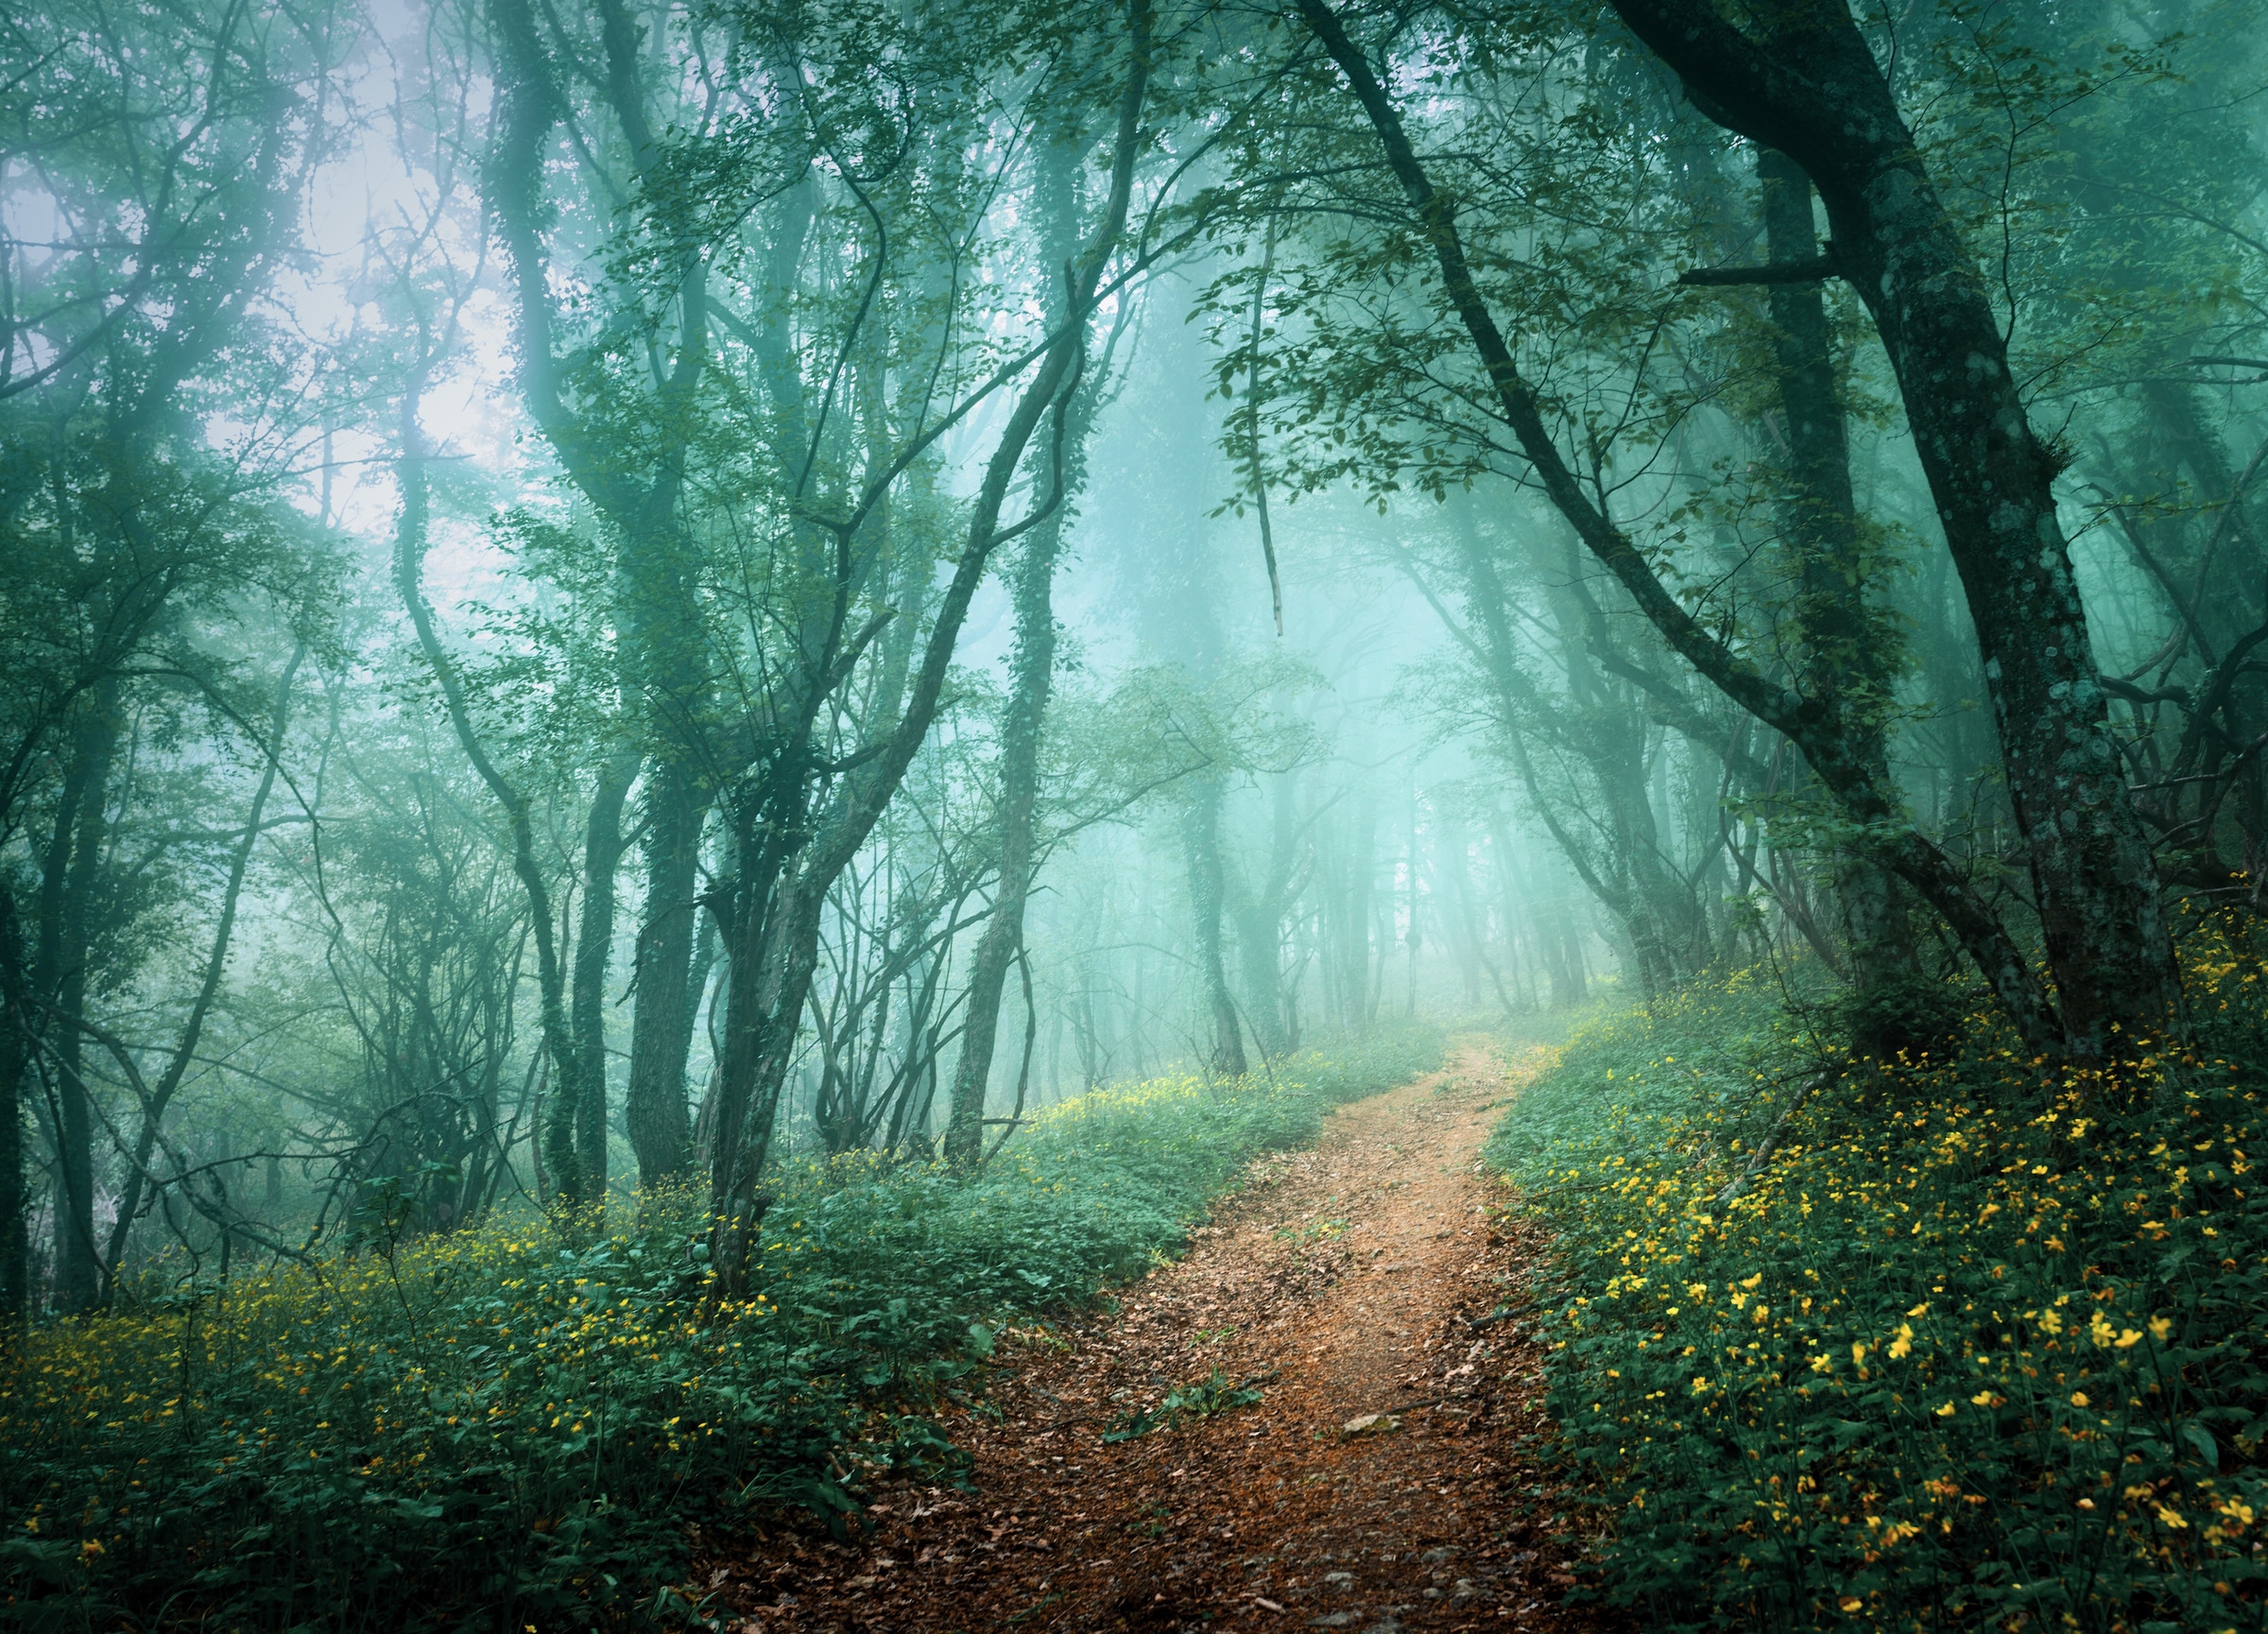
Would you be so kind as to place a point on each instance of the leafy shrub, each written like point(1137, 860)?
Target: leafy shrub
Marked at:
point(503, 1428)
point(1981, 1347)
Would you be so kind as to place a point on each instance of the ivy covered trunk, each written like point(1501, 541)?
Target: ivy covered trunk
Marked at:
point(1031, 680)
point(1032, 669)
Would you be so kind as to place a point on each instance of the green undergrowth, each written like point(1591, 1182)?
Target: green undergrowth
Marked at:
point(504, 1428)
point(1979, 1347)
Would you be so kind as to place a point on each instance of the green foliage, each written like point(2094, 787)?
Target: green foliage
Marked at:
point(498, 1427)
point(1978, 1348)
point(1208, 1396)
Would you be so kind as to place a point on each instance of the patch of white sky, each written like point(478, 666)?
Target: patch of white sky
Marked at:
point(367, 197)
point(33, 218)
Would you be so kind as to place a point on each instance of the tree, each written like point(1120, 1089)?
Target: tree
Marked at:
point(1819, 733)
point(620, 409)
point(1031, 680)
point(1805, 83)
point(797, 816)
point(161, 160)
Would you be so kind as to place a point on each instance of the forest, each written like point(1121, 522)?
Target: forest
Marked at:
point(1137, 814)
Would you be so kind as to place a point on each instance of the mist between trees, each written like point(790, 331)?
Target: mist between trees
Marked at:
point(595, 598)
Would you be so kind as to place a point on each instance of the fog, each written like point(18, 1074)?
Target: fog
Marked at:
point(606, 600)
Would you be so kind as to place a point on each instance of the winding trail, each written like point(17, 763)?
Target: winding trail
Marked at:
point(1371, 1289)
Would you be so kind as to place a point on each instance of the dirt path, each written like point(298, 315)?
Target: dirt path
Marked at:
point(1380, 1483)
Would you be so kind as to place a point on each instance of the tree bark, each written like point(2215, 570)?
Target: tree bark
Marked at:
point(667, 993)
point(594, 949)
point(69, 937)
point(1847, 669)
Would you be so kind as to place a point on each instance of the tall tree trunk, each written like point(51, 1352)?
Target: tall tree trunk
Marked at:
point(17, 1035)
point(668, 988)
point(1031, 677)
point(1809, 86)
point(557, 1035)
point(593, 948)
point(1847, 667)
point(1031, 672)
point(660, 619)
point(1201, 840)
point(71, 935)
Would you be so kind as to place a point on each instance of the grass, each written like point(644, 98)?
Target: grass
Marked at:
point(1980, 1348)
point(503, 1428)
